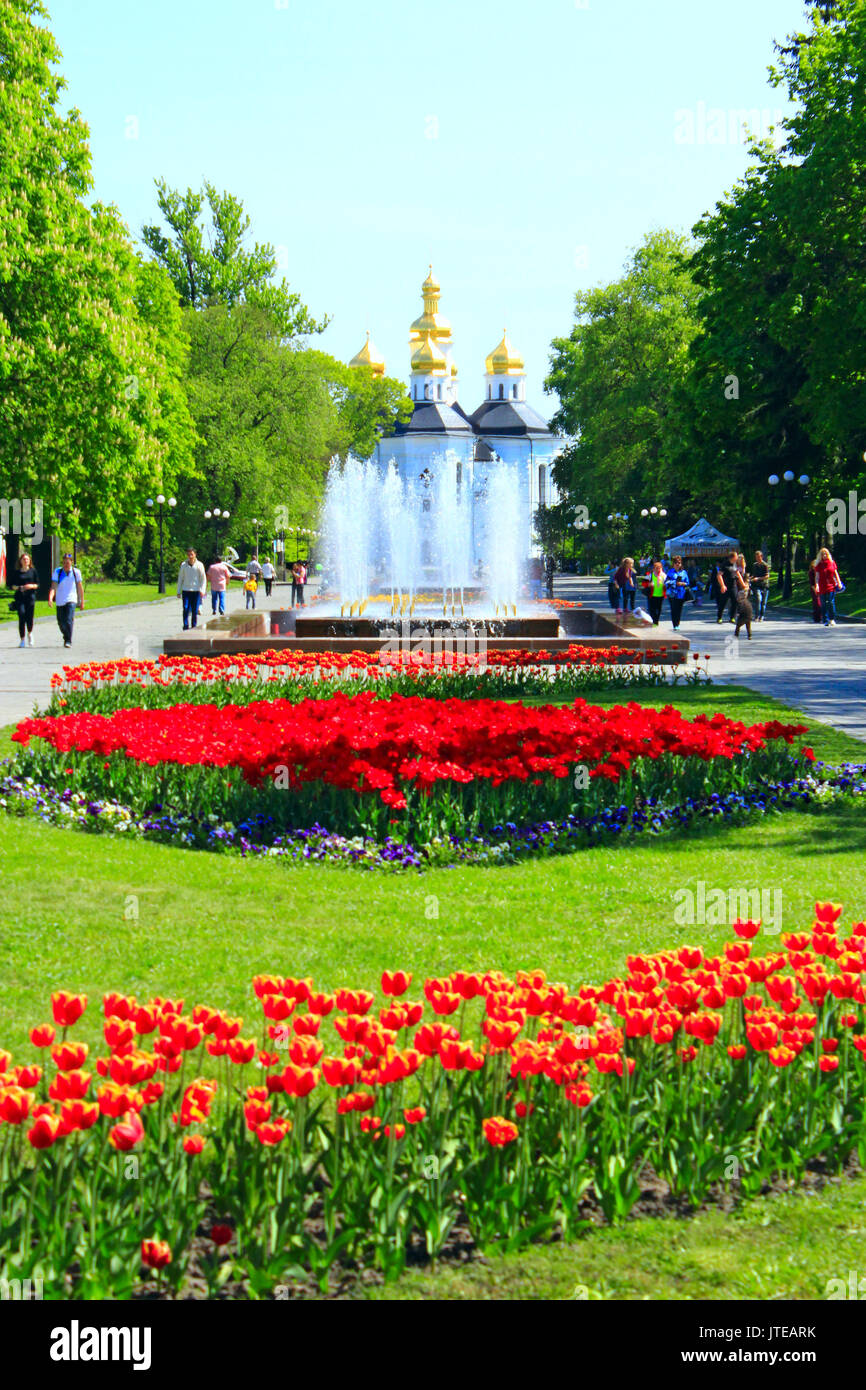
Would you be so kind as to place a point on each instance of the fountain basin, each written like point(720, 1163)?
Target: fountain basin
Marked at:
point(553, 632)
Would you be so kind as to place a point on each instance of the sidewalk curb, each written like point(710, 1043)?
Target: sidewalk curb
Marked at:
point(806, 612)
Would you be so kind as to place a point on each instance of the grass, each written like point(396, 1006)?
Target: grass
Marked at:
point(90, 912)
point(96, 595)
point(780, 1247)
point(851, 604)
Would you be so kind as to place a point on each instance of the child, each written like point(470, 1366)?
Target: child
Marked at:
point(250, 587)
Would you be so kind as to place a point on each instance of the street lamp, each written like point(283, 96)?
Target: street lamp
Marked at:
point(257, 524)
point(217, 517)
point(161, 502)
point(789, 495)
point(651, 514)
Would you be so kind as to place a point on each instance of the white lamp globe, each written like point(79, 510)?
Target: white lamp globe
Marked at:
point(149, 502)
point(172, 501)
point(773, 479)
point(789, 477)
point(160, 499)
point(803, 480)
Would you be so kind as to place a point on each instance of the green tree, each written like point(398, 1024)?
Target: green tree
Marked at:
point(82, 379)
point(217, 268)
point(618, 376)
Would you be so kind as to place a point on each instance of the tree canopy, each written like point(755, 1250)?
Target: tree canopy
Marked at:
point(219, 268)
point(83, 381)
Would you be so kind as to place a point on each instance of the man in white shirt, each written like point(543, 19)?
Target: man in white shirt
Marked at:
point(66, 590)
point(269, 574)
point(191, 585)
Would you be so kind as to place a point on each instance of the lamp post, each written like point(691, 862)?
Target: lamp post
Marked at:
point(618, 522)
point(653, 515)
point(789, 497)
point(161, 502)
point(587, 525)
point(217, 517)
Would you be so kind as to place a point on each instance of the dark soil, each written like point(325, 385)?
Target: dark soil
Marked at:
point(349, 1280)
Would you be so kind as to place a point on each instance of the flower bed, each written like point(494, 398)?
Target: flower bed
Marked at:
point(498, 844)
point(349, 1128)
point(291, 674)
point(447, 766)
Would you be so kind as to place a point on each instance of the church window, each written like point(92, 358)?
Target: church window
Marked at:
point(542, 485)
point(502, 393)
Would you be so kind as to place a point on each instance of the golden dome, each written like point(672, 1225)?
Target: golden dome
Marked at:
point(429, 358)
point(503, 360)
point(430, 321)
point(369, 356)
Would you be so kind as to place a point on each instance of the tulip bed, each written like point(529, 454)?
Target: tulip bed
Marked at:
point(294, 675)
point(350, 1129)
point(404, 767)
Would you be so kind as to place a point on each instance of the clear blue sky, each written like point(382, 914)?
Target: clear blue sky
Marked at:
point(524, 149)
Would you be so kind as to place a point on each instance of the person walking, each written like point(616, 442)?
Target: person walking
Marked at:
point(677, 590)
point(66, 591)
point(728, 587)
point(828, 583)
point(218, 576)
point(191, 586)
point(269, 574)
point(626, 585)
point(656, 591)
point(814, 591)
point(299, 579)
point(25, 582)
point(743, 605)
point(760, 577)
point(254, 569)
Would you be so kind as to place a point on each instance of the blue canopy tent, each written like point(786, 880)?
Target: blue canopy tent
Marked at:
point(702, 539)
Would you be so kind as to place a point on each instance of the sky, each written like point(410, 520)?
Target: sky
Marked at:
point(524, 149)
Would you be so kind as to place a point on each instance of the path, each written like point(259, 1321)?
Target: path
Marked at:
point(101, 634)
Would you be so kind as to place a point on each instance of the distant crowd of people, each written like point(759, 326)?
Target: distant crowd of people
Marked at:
point(193, 581)
point(738, 590)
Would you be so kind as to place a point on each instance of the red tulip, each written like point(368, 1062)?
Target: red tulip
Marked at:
point(499, 1131)
point(44, 1131)
point(220, 1234)
point(127, 1134)
point(67, 1008)
point(15, 1104)
point(43, 1035)
point(193, 1144)
point(155, 1254)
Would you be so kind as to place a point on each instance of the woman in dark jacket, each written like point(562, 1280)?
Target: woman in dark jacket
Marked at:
point(25, 582)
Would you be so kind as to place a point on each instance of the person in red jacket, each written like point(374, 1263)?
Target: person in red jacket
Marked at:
point(828, 579)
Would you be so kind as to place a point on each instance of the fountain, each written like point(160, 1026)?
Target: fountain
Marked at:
point(413, 561)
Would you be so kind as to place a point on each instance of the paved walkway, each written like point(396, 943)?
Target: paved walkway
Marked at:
point(821, 671)
point(101, 634)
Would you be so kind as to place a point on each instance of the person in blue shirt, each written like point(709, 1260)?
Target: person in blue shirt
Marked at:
point(677, 589)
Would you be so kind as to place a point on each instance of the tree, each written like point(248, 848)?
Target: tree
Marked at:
point(781, 264)
point(82, 380)
point(222, 271)
point(618, 376)
point(270, 418)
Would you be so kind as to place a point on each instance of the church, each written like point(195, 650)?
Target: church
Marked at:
point(502, 430)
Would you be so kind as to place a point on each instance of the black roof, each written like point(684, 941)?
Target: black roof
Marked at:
point(507, 418)
point(491, 418)
point(435, 417)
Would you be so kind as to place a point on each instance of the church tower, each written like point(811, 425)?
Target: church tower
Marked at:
point(505, 373)
point(433, 370)
point(369, 356)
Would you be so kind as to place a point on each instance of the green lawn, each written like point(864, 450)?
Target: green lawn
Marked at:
point(852, 603)
point(780, 1247)
point(107, 595)
point(90, 912)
